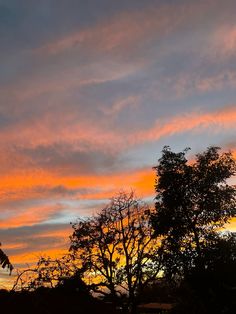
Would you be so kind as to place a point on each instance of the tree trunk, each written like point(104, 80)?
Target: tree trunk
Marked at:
point(132, 303)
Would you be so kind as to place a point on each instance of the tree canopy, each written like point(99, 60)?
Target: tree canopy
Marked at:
point(193, 200)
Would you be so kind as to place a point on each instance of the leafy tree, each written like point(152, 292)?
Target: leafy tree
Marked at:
point(193, 200)
point(118, 249)
point(212, 289)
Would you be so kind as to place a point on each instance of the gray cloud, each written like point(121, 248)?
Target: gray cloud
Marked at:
point(38, 238)
point(65, 158)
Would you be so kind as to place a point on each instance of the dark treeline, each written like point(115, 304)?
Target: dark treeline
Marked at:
point(173, 252)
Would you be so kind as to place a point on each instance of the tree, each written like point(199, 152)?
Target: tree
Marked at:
point(193, 200)
point(50, 273)
point(118, 249)
point(4, 261)
point(212, 289)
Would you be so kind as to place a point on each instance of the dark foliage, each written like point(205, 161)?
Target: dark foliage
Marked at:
point(51, 301)
point(160, 291)
point(193, 201)
point(213, 289)
point(5, 262)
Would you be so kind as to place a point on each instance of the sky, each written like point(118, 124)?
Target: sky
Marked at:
point(90, 92)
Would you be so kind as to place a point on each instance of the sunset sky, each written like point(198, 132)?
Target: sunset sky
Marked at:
point(90, 92)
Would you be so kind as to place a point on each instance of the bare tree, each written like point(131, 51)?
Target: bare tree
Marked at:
point(48, 272)
point(117, 248)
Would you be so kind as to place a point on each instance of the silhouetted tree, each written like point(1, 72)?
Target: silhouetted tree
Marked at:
point(193, 200)
point(117, 248)
point(53, 286)
point(4, 261)
point(212, 289)
point(49, 273)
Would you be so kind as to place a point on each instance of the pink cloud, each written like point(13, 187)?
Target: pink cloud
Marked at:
point(128, 29)
point(117, 106)
point(40, 132)
point(224, 41)
point(224, 118)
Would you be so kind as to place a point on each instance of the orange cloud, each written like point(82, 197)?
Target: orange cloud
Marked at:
point(62, 233)
point(33, 257)
point(15, 246)
point(29, 217)
point(24, 183)
point(15, 187)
